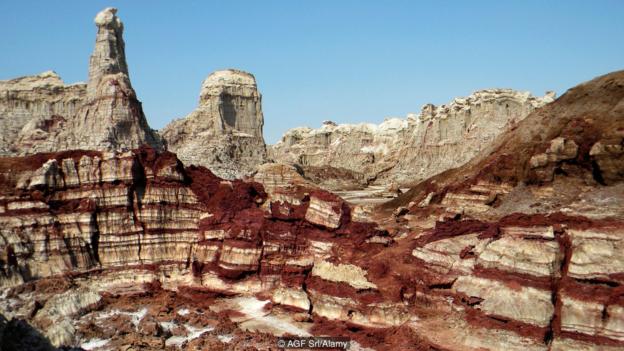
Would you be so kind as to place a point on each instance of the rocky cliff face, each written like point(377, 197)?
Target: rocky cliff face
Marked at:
point(41, 114)
point(122, 220)
point(224, 133)
point(520, 249)
point(405, 151)
point(526, 240)
point(36, 108)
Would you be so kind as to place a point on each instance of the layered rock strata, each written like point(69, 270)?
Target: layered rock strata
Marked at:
point(518, 250)
point(403, 151)
point(125, 219)
point(224, 133)
point(522, 247)
point(35, 108)
point(41, 114)
point(112, 116)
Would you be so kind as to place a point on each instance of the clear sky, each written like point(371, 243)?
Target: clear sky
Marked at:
point(346, 61)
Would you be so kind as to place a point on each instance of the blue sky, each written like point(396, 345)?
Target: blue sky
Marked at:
point(346, 61)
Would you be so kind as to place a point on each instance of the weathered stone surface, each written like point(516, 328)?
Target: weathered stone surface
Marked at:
point(404, 151)
point(560, 149)
point(36, 108)
point(120, 215)
point(445, 256)
point(42, 114)
point(60, 309)
point(609, 156)
point(105, 248)
point(292, 297)
point(343, 273)
point(224, 133)
point(525, 304)
point(525, 242)
point(518, 255)
point(279, 177)
point(592, 318)
point(112, 117)
point(324, 212)
point(597, 254)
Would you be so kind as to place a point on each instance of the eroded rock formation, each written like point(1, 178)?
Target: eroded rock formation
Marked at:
point(41, 114)
point(126, 219)
point(36, 108)
point(505, 252)
point(404, 151)
point(224, 133)
point(112, 117)
point(522, 246)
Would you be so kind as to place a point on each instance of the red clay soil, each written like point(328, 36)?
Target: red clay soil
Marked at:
point(457, 227)
point(478, 318)
point(32, 162)
point(223, 198)
point(152, 159)
point(11, 166)
point(514, 280)
point(382, 339)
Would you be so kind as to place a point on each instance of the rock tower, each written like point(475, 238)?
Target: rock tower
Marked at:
point(42, 114)
point(224, 133)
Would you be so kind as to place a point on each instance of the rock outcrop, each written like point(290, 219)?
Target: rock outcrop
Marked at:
point(503, 252)
point(516, 250)
point(404, 151)
point(41, 114)
point(112, 117)
point(520, 248)
point(141, 217)
point(524, 243)
point(36, 108)
point(224, 133)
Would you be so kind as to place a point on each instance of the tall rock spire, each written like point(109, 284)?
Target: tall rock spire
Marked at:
point(42, 114)
point(109, 56)
point(112, 117)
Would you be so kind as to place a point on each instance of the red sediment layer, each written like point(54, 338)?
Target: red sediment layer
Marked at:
point(565, 249)
point(33, 162)
point(457, 227)
point(223, 199)
point(241, 244)
point(49, 285)
point(514, 280)
point(171, 232)
point(593, 339)
point(326, 196)
point(234, 274)
point(598, 291)
point(154, 160)
point(481, 319)
point(200, 294)
point(289, 308)
point(150, 267)
point(293, 279)
point(383, 339)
